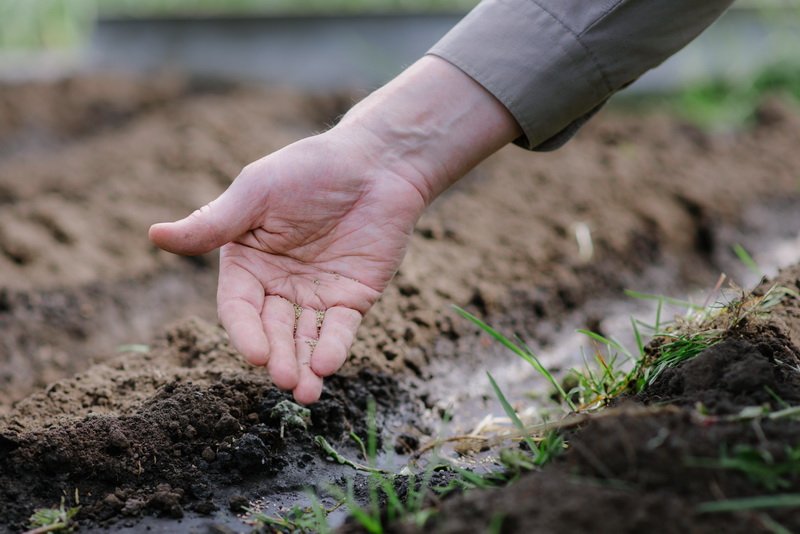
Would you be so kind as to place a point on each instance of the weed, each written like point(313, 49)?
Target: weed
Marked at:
point(52, 519)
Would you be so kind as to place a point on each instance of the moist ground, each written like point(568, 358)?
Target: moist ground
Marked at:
point(647, 463)
point(135, 432)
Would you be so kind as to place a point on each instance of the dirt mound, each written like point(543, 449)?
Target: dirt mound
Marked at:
point(124, 153)
point(180, 426)
point(634, 468)
point(172, 429)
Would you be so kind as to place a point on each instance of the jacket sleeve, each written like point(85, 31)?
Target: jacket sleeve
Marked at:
point(554, 63)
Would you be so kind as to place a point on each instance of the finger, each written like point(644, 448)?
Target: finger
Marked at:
point(338, 331)
point(309, 384)
point(278, 319)
point(213, 225)
point(240, 299)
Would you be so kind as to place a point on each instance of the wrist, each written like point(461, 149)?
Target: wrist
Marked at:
point(430, 125)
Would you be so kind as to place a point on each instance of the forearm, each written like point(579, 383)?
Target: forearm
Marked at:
point(432, 123)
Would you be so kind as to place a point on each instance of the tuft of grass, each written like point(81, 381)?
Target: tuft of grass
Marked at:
point(621, 371)
point(53, 519)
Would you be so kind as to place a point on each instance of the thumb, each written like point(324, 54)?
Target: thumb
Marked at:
point(207, 228)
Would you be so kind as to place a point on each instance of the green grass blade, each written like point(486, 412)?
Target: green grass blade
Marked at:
point(773, 526)
point(659, 309)
point(747, 260)
point(528, 356)
point(470, 477)
point(638, 336)
point(360, 444)
point(605, 341)
point(783, 500)
point(511, 413)
point(395, 506)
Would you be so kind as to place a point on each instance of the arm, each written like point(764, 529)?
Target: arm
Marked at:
point(312, 234)
point(553, 63)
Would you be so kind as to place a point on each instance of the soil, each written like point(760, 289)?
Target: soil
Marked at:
point(177, 424)
point(644, 465)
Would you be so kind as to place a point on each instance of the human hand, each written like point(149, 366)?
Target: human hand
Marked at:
point(311, 236)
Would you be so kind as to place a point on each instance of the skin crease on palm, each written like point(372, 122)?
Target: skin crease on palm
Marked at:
point(312, 234)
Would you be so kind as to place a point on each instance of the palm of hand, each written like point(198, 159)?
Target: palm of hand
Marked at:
point(322, 246)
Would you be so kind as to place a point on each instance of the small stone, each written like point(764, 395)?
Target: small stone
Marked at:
point(205, 508)
point(238, 503)
point(118, 440)
point(190, 432)
point(209, 455)
point(112, 501)
point(132, 506)
point(167, 501)
point(226, 425)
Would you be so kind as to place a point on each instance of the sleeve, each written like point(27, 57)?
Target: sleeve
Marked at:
point(554, 63)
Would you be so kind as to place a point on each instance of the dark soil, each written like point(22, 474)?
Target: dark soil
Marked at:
point(161, 433)
point(645, 465)
point(183, 427)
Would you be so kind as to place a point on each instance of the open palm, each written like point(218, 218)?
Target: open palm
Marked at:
point(310, 239)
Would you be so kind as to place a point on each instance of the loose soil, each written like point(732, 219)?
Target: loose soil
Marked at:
point(644, 465)
point(180, 426)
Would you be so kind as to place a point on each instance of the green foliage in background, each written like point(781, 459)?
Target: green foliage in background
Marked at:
point(53, 24)
point(720, 105)
point(724, 103)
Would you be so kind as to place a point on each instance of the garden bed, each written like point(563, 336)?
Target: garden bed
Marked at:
point(120, 392)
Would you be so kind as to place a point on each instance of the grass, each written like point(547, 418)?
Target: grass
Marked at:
point(384, 502)
point(758, 464)
point(53, 519)
point(614, 371)
point(522, 351)
point(781, 500)
point(724, 104)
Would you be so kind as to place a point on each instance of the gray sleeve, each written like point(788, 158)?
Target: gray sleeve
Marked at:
point(554, 63)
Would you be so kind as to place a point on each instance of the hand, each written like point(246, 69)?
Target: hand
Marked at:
point(310, 236)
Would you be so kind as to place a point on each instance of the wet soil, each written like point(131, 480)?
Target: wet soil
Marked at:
point(180, 426)
point(647, 463)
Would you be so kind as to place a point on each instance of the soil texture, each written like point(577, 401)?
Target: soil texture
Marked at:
point(650, 463)
point(101, 395)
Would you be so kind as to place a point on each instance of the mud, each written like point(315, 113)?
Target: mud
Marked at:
point(647, 464)
point(177, 425)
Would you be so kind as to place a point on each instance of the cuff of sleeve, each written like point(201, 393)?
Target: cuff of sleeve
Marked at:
point(532, 63)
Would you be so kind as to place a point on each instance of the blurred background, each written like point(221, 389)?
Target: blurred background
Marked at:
point(331, 44)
